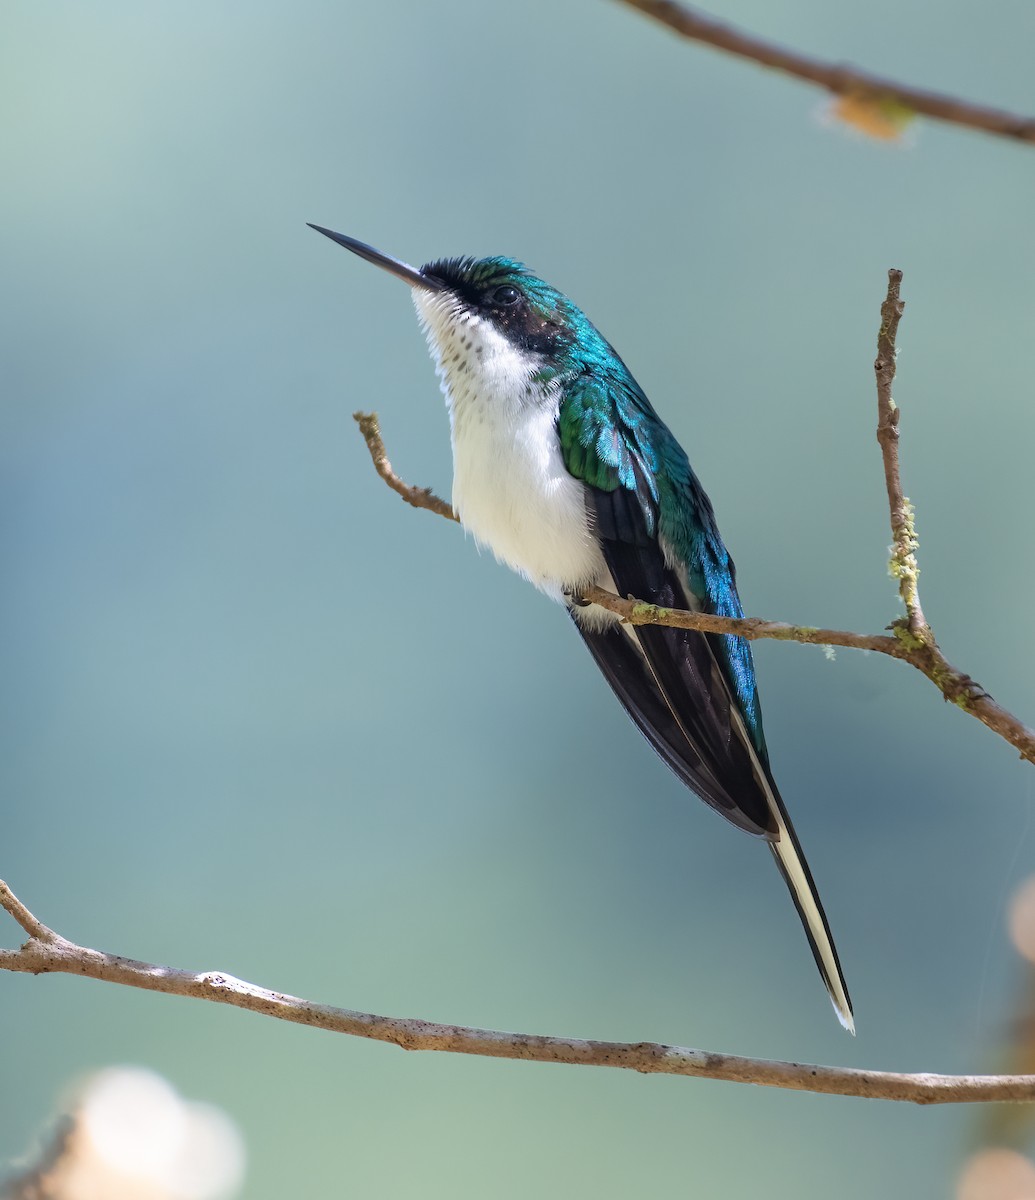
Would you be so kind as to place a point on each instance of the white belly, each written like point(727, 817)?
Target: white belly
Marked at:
point(510, 486)
point(513, 492)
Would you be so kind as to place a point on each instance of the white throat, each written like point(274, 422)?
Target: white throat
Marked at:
point(511, 488)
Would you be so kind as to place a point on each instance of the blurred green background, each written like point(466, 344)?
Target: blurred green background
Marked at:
point(260, 716)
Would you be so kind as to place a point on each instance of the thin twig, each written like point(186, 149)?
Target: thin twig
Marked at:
point(903, 564)
point(32, 925)
point(837, 78)
point(913, 641)
point(653, 1058)
point(636, 612)
point(418, 497)
point(913, 632)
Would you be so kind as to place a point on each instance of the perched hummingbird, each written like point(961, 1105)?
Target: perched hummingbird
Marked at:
point(564, 470)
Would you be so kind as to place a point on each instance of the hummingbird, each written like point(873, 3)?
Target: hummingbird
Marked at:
point(563, 469)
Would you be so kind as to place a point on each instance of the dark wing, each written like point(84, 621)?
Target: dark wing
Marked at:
point(678, 685)
point(671, 683)
point(624, 668)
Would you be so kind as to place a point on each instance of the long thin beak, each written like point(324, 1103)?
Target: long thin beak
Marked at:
point(404, 271)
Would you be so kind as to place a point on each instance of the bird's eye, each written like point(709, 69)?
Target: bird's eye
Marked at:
point(506, 295)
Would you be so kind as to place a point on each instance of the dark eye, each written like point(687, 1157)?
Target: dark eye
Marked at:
point(506, 295)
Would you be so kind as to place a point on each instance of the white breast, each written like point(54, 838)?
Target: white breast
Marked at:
point(510, 486)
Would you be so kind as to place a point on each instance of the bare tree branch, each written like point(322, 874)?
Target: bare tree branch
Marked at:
point(41, 956)
point(837, 78)
point(913, 641)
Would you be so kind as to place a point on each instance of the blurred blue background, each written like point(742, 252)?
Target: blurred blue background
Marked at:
point(260, 716)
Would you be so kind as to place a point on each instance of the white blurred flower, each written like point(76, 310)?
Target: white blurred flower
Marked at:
point(136, 1138)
